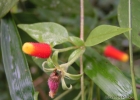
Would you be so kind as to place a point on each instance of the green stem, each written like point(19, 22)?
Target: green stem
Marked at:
point(64, 49)
point(90, 96)
point(131, 52)
point(82, 38)
point(78, 96)
point(98, 93)
point(63, 94)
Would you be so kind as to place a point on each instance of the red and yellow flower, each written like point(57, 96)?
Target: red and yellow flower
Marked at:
point(113, 52)
point(40, 50)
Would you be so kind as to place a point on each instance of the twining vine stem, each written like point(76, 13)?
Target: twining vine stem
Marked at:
point(82, 38)
point(131, 51)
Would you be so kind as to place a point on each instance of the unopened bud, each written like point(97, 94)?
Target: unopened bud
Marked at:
point(53, 83)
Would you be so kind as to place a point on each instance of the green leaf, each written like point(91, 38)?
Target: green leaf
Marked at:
point(15, 65)
point(76, 54)
point(47, 32)
point(5, 6)
point(108, 77)
point(102, 33)
point(123, 19)
point(76, 41)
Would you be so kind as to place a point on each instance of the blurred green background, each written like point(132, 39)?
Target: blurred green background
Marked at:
point(66, 13)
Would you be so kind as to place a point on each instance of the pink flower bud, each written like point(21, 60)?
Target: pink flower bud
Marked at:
point(53, 83)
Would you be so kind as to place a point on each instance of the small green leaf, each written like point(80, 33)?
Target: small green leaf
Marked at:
point(64, 86)
point(108, 77)
point(102, 33)
point(76, 41)
point(47, 32)
point(123, 19)
point(5, 6)
point(76, 54)
point(73, 77)
point(15, 65)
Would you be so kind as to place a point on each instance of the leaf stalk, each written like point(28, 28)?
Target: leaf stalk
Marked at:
point(131, 52)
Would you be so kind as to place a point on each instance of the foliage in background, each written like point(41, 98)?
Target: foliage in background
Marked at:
point(66, 13)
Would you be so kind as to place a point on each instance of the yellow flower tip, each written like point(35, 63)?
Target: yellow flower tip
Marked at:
point(125, 58)
point(28, 48)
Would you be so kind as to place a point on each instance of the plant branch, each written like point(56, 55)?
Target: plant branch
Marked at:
point(64, 49)
point(131, 52)
point(98, 93)
point(78, 96)
point(90, 96)
point(82, 38)
point(63, 94)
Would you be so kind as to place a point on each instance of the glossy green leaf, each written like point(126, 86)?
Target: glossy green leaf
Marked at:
point(15, 65)
point(108, 77)
point(102, 33)
point(5, 6)
point(47, 32)
point(76, 41)
point(123, 19)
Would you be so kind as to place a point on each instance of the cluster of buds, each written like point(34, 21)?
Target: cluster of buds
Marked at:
point(59, 72)
point(114, 53)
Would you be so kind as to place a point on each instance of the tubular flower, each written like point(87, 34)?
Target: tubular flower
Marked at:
point(53, 82)
point(40, 50)
point(112, 52)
